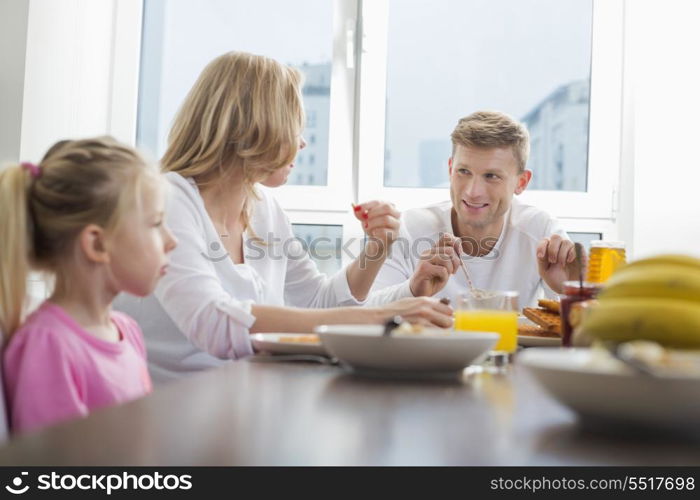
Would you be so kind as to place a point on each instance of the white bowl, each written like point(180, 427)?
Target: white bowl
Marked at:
point(613, 393)
point(433, 351)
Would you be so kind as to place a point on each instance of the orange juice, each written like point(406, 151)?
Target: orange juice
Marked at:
point(605, 258)
point(504, 323)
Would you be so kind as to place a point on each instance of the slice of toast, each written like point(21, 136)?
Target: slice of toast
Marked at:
point(546, 319)
point(550, 305)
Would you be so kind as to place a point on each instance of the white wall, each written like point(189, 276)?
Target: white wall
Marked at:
point(74, 83)
point(13, 40)
point(67, 79)
point(665, 71)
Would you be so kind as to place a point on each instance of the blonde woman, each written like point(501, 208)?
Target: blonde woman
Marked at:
point(237, 263)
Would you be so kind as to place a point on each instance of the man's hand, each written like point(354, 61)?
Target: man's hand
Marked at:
point(435, 267)
point(556, 261)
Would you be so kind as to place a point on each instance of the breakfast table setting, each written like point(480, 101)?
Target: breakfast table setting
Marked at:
point(614, 382)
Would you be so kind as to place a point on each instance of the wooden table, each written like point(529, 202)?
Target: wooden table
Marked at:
point(254, 413)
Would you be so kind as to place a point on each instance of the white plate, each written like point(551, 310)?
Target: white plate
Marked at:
point(432, 352)
point(274, 344)
point(532, 341)
point(614, 393)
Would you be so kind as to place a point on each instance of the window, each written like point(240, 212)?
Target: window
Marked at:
point(180, 38)
point(386, 80)
point(317, 95)
point(324, 244)
point(427, 63)
point(495, 55)
point(311, 117)
point(585, 238)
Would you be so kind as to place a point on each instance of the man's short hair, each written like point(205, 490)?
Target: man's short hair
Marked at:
point(492, 129)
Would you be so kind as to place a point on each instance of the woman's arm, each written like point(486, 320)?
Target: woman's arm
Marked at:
point(305, 286)
point(362, 272)
point(422, 310)
point(381, 225)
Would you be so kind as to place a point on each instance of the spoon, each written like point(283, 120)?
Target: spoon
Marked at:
point(466, 274)
point(579, 262)
point(458, 249)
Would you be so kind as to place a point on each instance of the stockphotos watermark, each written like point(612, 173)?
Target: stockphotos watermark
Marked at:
point(323, 248)
point(106, 483)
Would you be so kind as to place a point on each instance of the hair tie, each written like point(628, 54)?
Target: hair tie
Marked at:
point(34, 170)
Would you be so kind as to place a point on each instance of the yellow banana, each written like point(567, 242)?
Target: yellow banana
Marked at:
point(670, 322)
point(659, 280)
point(670, 259)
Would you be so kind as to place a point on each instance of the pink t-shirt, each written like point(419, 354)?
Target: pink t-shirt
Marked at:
point(55, 370)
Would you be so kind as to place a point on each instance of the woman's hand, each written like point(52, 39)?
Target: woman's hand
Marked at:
point(380, 222)
point(422, 310)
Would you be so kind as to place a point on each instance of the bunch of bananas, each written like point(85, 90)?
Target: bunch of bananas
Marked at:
point(654, 299)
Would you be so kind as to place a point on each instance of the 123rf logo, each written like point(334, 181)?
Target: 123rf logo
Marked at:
point(102, 482)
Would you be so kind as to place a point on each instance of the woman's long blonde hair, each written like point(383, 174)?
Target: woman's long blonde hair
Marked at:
point(243, 117)
point(44, 207)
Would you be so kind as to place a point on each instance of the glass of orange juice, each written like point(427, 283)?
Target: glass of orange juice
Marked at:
point(491, 311)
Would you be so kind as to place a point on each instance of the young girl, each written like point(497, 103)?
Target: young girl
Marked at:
point(91, 215)
point(238, 263)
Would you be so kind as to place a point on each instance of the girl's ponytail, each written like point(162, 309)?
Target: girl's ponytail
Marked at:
point(15, 244)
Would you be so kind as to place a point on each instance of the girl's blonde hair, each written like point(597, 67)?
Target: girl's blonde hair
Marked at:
point(243, 117)
point(44, 207)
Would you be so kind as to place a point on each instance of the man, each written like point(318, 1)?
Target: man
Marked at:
point(505, 244)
